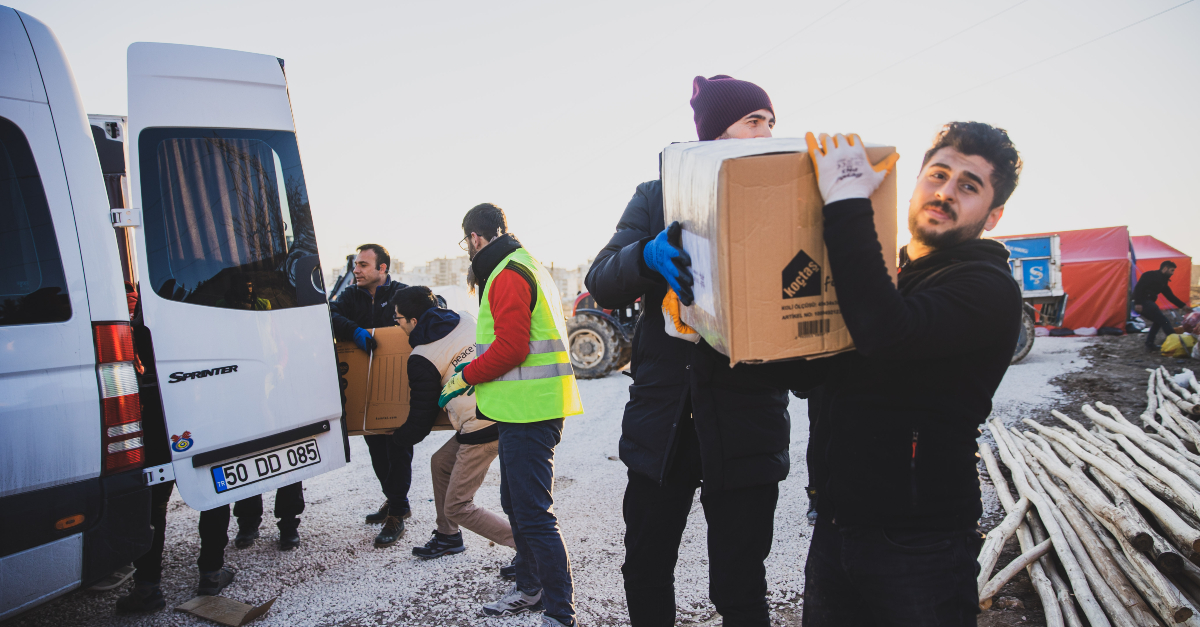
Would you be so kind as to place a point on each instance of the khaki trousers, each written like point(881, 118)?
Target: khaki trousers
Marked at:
point(458, 471)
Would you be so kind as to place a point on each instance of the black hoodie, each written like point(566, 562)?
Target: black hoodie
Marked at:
point(425, 383)
point(893, 429)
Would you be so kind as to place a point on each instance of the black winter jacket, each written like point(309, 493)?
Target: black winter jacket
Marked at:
point(893, 429)
point(1151, 284)
point(356, 309)
point(742, 423)
point(425, 383)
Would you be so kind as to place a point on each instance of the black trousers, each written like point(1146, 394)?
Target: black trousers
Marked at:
point(875, 577)
point(1158, 319)
point(289, 503)
point(740, 531)
point(392, 462)
point(377, 447)
point(399, 477)
point(214, 535)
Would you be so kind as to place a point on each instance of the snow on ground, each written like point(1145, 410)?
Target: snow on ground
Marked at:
point(337, 577)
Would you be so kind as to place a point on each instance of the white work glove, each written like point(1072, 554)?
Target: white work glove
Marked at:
point(843, 169)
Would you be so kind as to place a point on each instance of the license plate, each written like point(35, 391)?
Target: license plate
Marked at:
point(262, 466)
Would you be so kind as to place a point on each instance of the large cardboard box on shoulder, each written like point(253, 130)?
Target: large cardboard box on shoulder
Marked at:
point(376, 384)
point(753, 225)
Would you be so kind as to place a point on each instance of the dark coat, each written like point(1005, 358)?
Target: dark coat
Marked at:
point(1151, 284)
point(741, 419)
point(356, 309)
point(894, 428)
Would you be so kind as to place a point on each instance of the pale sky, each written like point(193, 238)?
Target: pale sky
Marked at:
point(409, 113)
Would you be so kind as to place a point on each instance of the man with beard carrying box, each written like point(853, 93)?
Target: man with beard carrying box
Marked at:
point(892, 448)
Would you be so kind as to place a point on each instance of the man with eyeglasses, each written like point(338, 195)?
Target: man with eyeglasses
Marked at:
point(359, 308)
point(523, 381)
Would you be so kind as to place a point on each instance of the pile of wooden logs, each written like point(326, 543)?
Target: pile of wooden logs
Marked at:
point(1108, 519)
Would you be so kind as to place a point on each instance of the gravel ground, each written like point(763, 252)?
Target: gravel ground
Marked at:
point(337, 577)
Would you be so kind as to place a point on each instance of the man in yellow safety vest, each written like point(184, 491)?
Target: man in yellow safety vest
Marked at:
point(523, 381)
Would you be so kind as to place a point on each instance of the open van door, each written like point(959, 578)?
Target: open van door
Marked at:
point(231, 287)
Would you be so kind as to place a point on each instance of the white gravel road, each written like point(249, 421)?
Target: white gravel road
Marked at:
point(337, 577)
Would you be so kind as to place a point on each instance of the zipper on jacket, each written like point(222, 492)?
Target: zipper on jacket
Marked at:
point(912, 469)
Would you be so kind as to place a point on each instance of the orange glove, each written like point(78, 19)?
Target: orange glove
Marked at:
point(843, 169)
point(675, 325)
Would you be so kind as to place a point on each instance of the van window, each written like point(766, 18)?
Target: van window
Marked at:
point(33, 287)
point(227, 219)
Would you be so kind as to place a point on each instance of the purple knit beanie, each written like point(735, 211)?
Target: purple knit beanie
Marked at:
point(722, 100)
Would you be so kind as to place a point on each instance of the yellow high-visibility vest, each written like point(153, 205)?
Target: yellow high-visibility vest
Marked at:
point(542, 387)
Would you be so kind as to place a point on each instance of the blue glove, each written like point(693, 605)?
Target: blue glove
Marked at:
point(363, 338)
point(665, 255)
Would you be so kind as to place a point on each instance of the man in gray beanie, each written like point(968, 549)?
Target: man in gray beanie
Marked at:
point(692, 421)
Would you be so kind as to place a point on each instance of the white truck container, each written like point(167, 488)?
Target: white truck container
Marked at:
point(224, 379)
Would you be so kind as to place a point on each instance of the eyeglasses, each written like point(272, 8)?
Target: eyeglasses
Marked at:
point(465, 244)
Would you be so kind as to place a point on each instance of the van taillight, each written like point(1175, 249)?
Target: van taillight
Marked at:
point(120, 406)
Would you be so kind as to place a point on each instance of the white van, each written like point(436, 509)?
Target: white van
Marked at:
point(225, 379)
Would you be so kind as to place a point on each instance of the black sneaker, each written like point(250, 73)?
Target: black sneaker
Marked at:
point(440, 545)
point(379, 516)
point(211, 584)
point(245, 538)
point(393, 529)
point(288, 539)
point(509, 572)
point(142, 598)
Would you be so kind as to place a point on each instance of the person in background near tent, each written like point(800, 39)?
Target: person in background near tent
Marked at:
point(893, 463)
point(522, 380)
point(692, 421)
point(1145, 300)
point(360, 307)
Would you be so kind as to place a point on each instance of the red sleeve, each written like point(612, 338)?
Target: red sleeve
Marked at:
point(509, 299)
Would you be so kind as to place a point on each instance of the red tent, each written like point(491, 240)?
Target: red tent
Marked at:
point(1097, 268)
point(1151, 252)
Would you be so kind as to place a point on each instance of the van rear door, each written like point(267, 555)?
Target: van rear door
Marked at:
point(231, 287)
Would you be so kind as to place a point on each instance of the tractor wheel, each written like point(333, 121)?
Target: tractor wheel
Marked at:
point(1025, 339)
point(594, 345)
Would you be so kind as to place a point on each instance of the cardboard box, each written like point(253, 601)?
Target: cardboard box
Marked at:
point(225, 611)
point(753, 225)
point(376, 384)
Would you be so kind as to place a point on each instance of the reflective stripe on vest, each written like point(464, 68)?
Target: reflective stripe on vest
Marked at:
point(528, 373)
point(542, 386)
point(536, 347)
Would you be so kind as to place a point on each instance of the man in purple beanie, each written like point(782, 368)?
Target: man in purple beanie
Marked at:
point(692, 421)
point(727, 108)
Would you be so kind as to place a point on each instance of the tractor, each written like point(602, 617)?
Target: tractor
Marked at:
point(600, 340)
